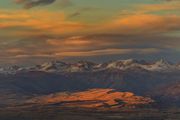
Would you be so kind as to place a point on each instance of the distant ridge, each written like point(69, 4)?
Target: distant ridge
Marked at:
point(86, 66)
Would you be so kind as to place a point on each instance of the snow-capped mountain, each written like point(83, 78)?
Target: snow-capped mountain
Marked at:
point(160, 65)
point(125, 64)
point(54, 66)
point(58, 66)
point(85, 66)
point(10, 70)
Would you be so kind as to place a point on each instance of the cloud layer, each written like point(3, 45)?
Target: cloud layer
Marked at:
point(37, 35)
point(33, 3)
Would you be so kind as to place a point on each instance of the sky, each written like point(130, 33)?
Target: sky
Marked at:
point(35, 31)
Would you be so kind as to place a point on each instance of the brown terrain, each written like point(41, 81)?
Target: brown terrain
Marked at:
point(94, 98)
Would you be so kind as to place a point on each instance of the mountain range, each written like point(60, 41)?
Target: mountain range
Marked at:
point(157, 80)
point(86, 66)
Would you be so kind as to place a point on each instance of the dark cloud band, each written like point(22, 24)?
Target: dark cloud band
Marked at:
point(33, 3)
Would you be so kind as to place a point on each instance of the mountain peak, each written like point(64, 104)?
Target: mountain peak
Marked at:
point(129, 61)
point(162, 62)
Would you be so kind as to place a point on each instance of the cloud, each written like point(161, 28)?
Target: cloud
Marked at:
point(27, 23)
point(64, 3)
point(92, 45)
point(106, 52)
point(72, 41)
point(81, 11)
point(20, 23)
point(149, 8)
point(45, 48)
point(33, 3)
point(167, 0)
point(144, 23)
point(44, 35)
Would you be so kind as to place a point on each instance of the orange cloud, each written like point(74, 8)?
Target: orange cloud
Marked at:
point(72, 41)
point(145, 8)
point(32, 23)
point(42, 21)
point(144, 23)
point(29, 25)
point(14, 50)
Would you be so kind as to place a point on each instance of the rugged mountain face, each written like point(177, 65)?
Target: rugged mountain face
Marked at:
point(94, 98)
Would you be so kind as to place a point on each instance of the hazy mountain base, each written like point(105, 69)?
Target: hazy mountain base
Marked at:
point(157, 85)
point(57, 113)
